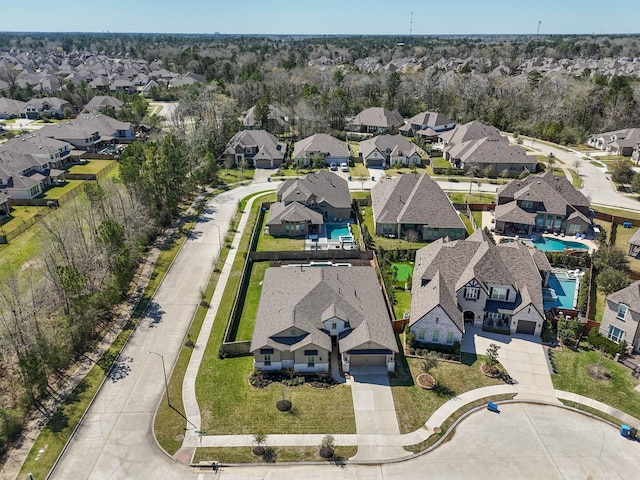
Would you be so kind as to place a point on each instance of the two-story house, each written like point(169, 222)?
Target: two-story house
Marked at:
point(304, 310)
point(82, 137)
point(19, 175)
point(427, 125)
point(258, 148)
point(52, 107)
point(475, 282)
point(621, 317)
point(304, 204)
point(56, 152)
point(545, 202)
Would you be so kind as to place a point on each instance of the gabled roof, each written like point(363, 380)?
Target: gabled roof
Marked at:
point(322, 143)
point(635, 238)
point(494, 149)
point(429, 119)
point(56, 103)
point(255, 138)
point(9, 106)
point(298, 297)
point(33, 144)
point(378, 117)
point(102, 101)
point(395, 145)
point(630, 296)
point(413, 198)
point(275, 114)
point(512, 213)
point(322, 186)
point(473, 130)
point(435, 293)
point(279, 212)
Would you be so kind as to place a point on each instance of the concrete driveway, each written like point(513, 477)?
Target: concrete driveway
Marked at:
point(522, 356)
point(376, 421)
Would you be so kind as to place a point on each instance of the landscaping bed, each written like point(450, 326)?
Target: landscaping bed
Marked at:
point(264, 379)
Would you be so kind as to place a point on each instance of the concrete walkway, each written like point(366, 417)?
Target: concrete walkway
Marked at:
point(376, 420)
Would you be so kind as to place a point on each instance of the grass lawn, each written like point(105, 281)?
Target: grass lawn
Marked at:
point(467, 224)
point(269, 243)
point(477, 217)
point(281, 454)
point(56, 192)
point(22, 248)
point(394, 172)
point(622, 236)
point(251, 301)
point(618, 391)
point(439, 162)
point(402, 302)
point(358, 170)
point(19, 215)
point(232, 176)
point(91, 167)
point(56, 433)
point(359, 195)
point(461, 197)
point(386, 243)
point(292, 172)
point(610, 158)
point(415, 405)
point(354, 147)
point(616, 212)
point(575, 178)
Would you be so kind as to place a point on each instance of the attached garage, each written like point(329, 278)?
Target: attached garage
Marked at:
point(374, 162)
point(368, 358)
point(265, 163)
point(525, 326)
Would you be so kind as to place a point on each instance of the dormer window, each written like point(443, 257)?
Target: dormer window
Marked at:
point(622, 311)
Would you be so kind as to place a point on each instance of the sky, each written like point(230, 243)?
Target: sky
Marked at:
point(323, 16)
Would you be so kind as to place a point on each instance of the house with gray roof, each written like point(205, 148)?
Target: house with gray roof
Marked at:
point(293, 220)
point(258, 148)
point(323, 192)
point(49, 106)
point(634, 244)
point(545, 202)
point(426, 123)
point(622, 316)
point(5, 209)
point(618, 142)
point(320, 145)
point(304, 310)
point(100, 102)
point(10, 108)
point(385, 151)
point(22, 176)
point(276, 121)
point(376, 120)
point(473, 130)
point(492, 155)
point(82, 137)
point(475, 282)
point(414, 202)
point(54, 152)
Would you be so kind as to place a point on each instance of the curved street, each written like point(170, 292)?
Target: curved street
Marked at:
point(115, 439)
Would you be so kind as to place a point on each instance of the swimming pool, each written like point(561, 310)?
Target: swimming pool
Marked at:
point(565, 291)
point(337, 230)
point(550, 244)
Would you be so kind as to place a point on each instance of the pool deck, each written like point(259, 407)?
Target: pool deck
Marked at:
point(589, 242)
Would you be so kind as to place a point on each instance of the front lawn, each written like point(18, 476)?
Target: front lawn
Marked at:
point(415, 405)
point(358, 170)
point(233, 176)
point(394, 172)
point(251, 301)
point(618, 391)
point(439, 162)
point(461, 197)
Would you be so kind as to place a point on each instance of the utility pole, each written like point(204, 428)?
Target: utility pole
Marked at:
point(539, 23)
point(411, 26)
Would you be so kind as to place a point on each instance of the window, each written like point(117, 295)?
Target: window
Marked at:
point(421, 333)
point(527, 204)
point(449, 338)
point(311, 361)
point(622, 311)
point(267, 360)
point(387, 228)
point(574, 228)
point(435, 336)
point(498, 293)
point(471, 293)
point(616, 334)
point(334, 325)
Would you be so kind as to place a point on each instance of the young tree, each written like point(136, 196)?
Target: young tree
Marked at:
point(492, 354)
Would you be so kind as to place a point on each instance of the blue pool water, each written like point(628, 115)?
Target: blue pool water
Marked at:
point(335, 231)
point(550, 244)
point(565, 289)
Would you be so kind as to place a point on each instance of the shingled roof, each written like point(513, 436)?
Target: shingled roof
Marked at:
point(322, 186)
point(320, 142)
point(378, 117)
point(280, 212)
point(299, 297)
point(630, 296)
point(388, 145)
point(413, 198)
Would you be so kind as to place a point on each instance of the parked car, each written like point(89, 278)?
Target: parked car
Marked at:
point(344, 167)
point(333, 167)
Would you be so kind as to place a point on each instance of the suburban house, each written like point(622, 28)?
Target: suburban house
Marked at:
point(48, 106)
point(107, 102)
point(427, 125)
point(10, 108)
point(276, 120)
point(22, 176)
point(618, 142)
point(100, 83)
point(55, 152)
point(473, 130)
point(545, 202)
point(376, 120)
point(492, 155)
point(306, 313)
point(5, 209)
point(417, 203)
point(634, 244)
point(622, 316)
point(320, 145)
point(475, 282)
point(257, 147)
point(303, 204)
point(388, 151)
point(110, 129)
point(123, 85)
point(82, 137)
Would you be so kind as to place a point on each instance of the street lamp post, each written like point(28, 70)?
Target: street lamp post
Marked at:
point(164, 371)
point(219, 235)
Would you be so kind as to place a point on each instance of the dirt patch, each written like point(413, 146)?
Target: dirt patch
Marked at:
point(490, 370)
point(598, 373)
point(426, 381)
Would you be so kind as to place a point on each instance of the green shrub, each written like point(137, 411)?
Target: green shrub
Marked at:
point(603, 343)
